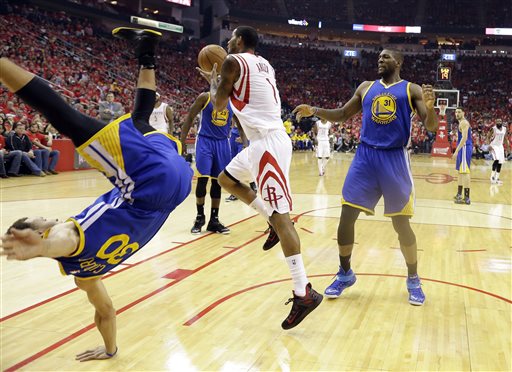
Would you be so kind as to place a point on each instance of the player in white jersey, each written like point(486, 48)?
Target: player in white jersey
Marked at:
point(162, 116)
point(497, 135)
point(323, 147)
point(248, 82)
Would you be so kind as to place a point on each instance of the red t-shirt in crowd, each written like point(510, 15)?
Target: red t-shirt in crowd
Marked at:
point(32, 136)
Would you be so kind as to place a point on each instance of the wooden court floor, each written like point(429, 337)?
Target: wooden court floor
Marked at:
point(215, 302)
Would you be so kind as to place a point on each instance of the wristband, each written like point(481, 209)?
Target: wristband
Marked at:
point(111, 355)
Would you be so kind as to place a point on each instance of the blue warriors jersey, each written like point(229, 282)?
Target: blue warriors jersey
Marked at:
point(387, 114)
point(214, 124)
point(150, 180)
point(469, 140)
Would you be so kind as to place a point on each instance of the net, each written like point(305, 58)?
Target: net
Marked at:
point(442, 109)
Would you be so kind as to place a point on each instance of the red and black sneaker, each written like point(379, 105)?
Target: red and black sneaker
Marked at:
point(272, 238)
point(301, 307)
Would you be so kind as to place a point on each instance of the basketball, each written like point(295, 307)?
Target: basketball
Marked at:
point(210, 55)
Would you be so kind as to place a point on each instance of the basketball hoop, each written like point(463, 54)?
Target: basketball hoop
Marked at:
point(442, 109)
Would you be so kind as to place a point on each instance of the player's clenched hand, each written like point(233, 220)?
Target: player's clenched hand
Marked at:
point(303, 111)
point(95, 354)
point(429, 96)
point(21, 244)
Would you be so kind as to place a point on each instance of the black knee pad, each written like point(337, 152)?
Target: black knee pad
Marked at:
point(498, 168)
point(201, 187)
point(215, 192)
point(495, 165)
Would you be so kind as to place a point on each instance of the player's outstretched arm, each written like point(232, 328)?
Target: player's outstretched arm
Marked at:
point(423, 99)
point(352, 107)
point(105, 319)
point(221, 88)
point(27, 243)
point(189, 120)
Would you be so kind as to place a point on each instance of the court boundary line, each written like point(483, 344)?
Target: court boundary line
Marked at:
point(214, 304)
point(128, 306)
point(108, 275)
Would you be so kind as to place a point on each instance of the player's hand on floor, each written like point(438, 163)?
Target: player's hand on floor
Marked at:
point(95, 354)
point(21, 244)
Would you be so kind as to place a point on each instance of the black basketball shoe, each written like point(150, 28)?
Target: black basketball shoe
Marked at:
point(198, 223)
point(301, 307)
point(143, 40)
point(217, 227)
point(272, 238)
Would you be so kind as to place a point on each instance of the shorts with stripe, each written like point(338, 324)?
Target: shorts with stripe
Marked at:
point(267, 161)
point(380, 172)
point(212, 155)
point(497, 153)
point(463, 163)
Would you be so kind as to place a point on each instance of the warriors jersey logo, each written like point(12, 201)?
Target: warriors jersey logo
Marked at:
point(220, 118)
point(384, 108)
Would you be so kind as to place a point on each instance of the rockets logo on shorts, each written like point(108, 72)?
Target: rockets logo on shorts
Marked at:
point(273, 185)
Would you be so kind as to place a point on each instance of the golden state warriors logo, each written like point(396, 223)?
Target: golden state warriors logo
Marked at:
point(220, 118)
point(384, 108)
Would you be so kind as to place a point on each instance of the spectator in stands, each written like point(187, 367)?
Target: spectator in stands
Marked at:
point(110, 109)
point(19, 141)
point(42, 144)
point(11, 159)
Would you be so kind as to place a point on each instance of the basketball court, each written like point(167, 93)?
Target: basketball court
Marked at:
point(216, 302)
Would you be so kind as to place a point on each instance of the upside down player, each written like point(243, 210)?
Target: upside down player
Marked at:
point(388, 105)
point(137, 160)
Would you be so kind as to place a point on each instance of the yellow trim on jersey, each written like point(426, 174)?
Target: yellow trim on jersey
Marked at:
point(366, 210)
point(207, 102)
point(366, 91)
point(61, 268)
point(407, 210)
point(110, 140)
point(409, 97)
point(81, 241)
point(170, 136)
point(390, 85)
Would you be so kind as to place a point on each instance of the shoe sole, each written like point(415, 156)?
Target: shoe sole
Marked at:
point(219, 232)
point(336, 296)
point(415, 303)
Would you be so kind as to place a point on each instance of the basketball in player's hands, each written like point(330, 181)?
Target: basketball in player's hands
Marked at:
point(210, 55)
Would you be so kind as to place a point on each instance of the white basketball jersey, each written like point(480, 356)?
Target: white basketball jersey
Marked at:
point(255, 98)
point(499, 136)
point(323, 130)
point(158, 119)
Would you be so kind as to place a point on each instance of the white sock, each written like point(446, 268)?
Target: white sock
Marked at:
point(325, 163)
point(497, 176)
point(493, 174)
point(298, 272)
point(320, 166)
point(258, 205)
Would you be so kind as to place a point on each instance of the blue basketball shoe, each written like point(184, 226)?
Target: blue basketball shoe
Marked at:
point(341, 282)
point(416, 295)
